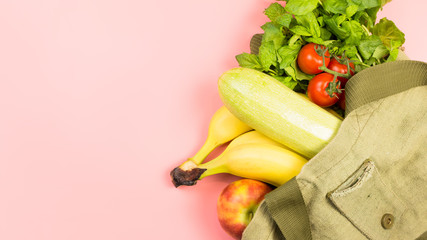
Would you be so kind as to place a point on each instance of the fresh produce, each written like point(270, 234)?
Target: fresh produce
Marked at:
point(264, 162)
point(347, 29)
point(324, 90)
point(340, 66)
point(223, 128)
point(238, 203)
point(276, 111)
point(310, 58)
point(251, 155)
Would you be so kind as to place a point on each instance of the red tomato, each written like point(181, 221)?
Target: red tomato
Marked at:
point(309, 60)
point(336, 66)
point(341, 101)
point(317, 91)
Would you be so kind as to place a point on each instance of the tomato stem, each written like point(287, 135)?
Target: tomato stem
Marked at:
point(334, 88)
point(326, 69)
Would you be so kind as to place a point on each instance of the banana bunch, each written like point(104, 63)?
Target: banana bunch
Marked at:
point(249, 154)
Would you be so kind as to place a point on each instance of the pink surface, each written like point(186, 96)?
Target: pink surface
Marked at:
point(100, 99)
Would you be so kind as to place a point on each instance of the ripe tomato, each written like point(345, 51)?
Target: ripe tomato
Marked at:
point(336, 66)
point(309, 60)
point(341, 101)
point(317, 91)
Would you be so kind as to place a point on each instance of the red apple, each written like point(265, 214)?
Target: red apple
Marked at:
point(237, 204)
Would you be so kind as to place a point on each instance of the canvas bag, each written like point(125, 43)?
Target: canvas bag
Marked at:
point(370, 181)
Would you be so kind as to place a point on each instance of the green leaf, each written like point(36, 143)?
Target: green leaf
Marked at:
point(309, 21)
point(367, 17)
point(334, 25)
point(320, 21)
point(393, 55)
point(302, 86)
point(294, 40)
point(300, 30)
point(355, 31)
point(335, 6)
point(267, 55)
point(277, 14)
point(325, 34)
point(367, 46)
point(365, 4)
point(342, 6)
point(273, 32)
point(303, 76)
point(291, 72)
point(380, 52)
point(287, 80)
point(384, 2)
point(315, 40)
point(287, 54)
point(389, 34)
point(300, 7)
point(284, 19)
point(274, 11)
point(351, 10)
point(248, 60)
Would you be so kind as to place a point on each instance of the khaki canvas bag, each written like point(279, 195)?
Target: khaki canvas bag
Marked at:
point(370, 181)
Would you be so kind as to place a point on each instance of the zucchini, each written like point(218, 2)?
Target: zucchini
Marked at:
point(268, 106)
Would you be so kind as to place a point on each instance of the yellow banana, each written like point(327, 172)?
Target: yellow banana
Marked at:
point(252, 155)
point(251, 137)
point(181, 174)
point(265, 162)
point(223, 127)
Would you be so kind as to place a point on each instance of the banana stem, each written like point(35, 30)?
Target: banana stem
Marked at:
point(204, 151)
point(189, 172)
point(186, 174)
point(215, 166)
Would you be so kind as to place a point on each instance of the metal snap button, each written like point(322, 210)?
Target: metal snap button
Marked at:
point(387, 221)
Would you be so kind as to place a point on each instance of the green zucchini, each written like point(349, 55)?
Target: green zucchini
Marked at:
point(267, 105)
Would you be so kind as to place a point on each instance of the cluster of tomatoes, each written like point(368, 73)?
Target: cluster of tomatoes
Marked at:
point(325, 88)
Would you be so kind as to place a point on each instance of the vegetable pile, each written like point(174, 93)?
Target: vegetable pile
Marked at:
point(343, 33)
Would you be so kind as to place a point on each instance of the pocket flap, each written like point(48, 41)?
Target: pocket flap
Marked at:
point(368, 203)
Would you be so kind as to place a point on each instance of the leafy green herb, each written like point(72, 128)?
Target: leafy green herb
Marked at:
point(389, 34)
point(344, 26)
point(301, 7)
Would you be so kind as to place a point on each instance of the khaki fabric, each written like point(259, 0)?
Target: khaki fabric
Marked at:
point(375, 165)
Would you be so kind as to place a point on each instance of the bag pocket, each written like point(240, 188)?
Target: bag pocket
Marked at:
point(368, 203)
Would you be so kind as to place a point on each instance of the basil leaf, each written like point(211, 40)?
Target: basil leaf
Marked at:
point(303, 76)
point(365, 4)
point(389, 34)
point(267, 55)
point(273, 32)
point(248, 60)
point(325, 34)
point(351, 10)
point(274, 11)
point(367, 46)
point(342, 7)
point(287, 55)
point(335, 6)
point(287, 80)
point(380, 52)
point(309, 21)
point(355, 31)
point(384, 2)
point(300, 7)
point(300, 30)
point(334, 25)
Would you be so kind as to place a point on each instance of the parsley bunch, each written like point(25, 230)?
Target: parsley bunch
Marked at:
point(344, 26)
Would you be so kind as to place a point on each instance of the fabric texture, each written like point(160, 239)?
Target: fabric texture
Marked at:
point(375, 166)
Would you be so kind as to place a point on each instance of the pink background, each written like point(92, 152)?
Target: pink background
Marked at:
point(100, 99)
